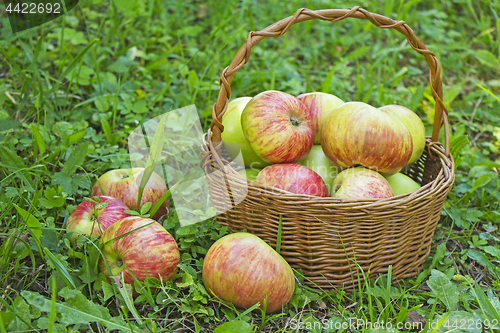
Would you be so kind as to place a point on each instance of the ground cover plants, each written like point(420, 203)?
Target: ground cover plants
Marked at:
point(72, 90)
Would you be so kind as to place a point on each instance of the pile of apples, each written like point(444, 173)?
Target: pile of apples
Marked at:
point(316, 144)
point(136, 246)
point(239, 268)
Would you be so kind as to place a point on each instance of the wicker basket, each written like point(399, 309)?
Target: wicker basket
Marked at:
point(330, 239)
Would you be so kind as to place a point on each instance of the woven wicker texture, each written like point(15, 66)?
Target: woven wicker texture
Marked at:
point(330, 239)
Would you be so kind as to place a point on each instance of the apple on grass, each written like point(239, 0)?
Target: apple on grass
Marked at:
point(320, 105)
point(233, 138)
point(243, 269)
point(360, 183)
point(402, 184)
point(317, 161)
point(414, 124)
point(91, 218)
point(293, 178)
point(357, 134)
point(123, 184)
point(278, 127)
point(140, 245)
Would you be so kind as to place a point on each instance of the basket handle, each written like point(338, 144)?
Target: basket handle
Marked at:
point(281, 27)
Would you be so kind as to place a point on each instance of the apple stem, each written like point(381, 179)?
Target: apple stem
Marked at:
point(119, 263)
point(294, 121)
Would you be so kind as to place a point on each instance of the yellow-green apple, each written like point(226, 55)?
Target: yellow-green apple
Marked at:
point(140, 245)
point(91, 218)
point(243, 269)
point(293, 178)
point(249, 173)
point(320, 105)
point(358, 134)
point(123, 184)
point(233, 138)
point(402, 184)
point(414, 124)
point(317, 161)
point(278, 127)
point(360, 183)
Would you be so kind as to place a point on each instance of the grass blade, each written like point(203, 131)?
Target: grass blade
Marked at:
point(60, 268)
point(489, 92)
point(154, 155)
point(52, 314)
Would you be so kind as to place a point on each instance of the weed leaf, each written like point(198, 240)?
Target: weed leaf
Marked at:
point(32, 223)
point(494, 251)
point(23, 312)
point(76, 158)
point(10, 159)
point(76, 309)
point(38, 139)
point(481, 259)
point(456, 147)
point(440, 284)
point(487, 304)
point(483, 180)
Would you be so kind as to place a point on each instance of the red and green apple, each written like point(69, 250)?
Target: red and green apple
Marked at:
point(91, 219)
point(243, 269)
point(123, 184)
point(320, 105)
point(140, 246)
point(278, 127)
point(357, 134)
point(360, 183)
point(414, 124)
point(293, 178)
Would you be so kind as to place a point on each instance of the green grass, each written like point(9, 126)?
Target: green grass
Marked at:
point(72, 90)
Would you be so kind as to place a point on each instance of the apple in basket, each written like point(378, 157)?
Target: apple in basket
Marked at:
point(360, 183)
point(293, 178)
point(359, 134)
point(414, 124)
point(320, 105)
point(243, 269)
point(91, 218)
point(233, 138)
point(319, 163)
point(140, 245)
point(402, 184)
point(123, 184)
point(278, 127)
